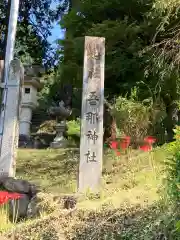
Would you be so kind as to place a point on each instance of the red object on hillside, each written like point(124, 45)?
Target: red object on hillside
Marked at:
point(114, 144)
point(14, 196)
point(146, 148)
point(125, 142)
point(150, 139)
point(118, 153)
point(5, 196)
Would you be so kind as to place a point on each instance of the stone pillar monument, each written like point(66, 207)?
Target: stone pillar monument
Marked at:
point(10, 131)
point(91, 146)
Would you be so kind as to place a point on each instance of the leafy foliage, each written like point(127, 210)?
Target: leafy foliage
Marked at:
point(133, 33)
point(34, 25)
point(123, 42)
point(173, 168)
point(132, 117)
point(141, 49)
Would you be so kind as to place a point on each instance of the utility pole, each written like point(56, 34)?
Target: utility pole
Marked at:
point(11, 34)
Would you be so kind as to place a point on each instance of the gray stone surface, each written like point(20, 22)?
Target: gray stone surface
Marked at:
point(60, 144)
point(26, 206)
point(10, 115)
point(33, 209)
point(91, 146)
point(18, 208)
point(19, 186)
point(60, 141)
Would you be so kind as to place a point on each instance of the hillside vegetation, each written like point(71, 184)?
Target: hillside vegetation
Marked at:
point(139, 197)
point(131, 204)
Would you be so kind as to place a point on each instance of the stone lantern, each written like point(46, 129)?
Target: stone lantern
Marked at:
point(62, 111)
point(29, 97)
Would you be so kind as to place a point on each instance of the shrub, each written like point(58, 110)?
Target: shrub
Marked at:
point(73, 132)
point(138, 119)
point(173, 168)
point(132, 118)
point(74, 127)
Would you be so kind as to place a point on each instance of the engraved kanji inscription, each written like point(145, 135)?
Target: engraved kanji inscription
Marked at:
point(93, 99)
point(92, 136)
point(90, 157)
point(97, 70)
point(91, 144)
point(90, 68)
point(92, 118)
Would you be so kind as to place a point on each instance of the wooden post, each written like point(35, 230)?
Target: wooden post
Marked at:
point(10, 130)
point(91, 146)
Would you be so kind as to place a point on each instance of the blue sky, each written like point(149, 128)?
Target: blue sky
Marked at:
point(57, 33)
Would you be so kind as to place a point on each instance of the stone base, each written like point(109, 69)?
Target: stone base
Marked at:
point(61, 144)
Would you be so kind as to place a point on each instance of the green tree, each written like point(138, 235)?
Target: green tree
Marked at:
point(126, 29)
point(34, 25)
point(142, 48)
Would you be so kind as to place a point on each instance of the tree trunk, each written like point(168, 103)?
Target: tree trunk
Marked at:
point(172, 118)
point(109, 125)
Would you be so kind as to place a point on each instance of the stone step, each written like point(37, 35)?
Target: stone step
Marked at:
point(39, 116)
